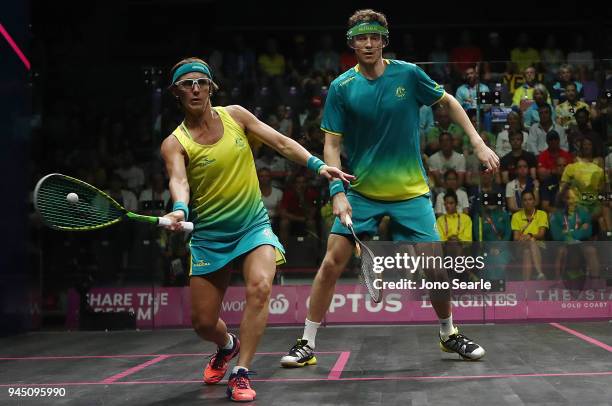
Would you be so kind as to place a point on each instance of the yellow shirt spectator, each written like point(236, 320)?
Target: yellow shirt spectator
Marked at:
point(529, 225)
point(524, 57)
point(272, 65)
point(455, 225)
point(565, 112)
point(584, 177)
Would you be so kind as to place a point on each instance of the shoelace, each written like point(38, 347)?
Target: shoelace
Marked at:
point(243, 380)
point(216, 359)
point(299, 349)
point(460, 342)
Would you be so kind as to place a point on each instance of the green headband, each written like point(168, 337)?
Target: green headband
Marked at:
point(366, 27)
point(191, 67)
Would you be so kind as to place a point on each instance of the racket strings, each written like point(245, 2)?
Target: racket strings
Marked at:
point(367, 270)
point(93, 209)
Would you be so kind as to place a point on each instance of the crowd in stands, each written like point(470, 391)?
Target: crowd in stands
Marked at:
point(551, 127)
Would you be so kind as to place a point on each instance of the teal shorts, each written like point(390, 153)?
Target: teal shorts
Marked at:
point(411, 220)
point(208, 256)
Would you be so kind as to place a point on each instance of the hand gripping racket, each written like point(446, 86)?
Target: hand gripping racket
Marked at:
point(69, 204)
point(366, 256)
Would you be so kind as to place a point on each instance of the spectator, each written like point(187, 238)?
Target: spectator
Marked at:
point(454, 226)
point(123, 196)
point(548, 158)
point(523, 95)
point(240, 64)
point(493, 191)
point(566, 76)
point(154, 200)
point(601, 115)
point(524, 56)
point(347, 60)
point(298, 210)
point(567, 109)
point(278, 166)
point(285, 120)
point(551, 57)
point(467, 93)
point(443, 124)
point(473, 165)
point(408, 51)
point(495, 58)
point(327, 60)
point(132, 174)
point(523, 182)
point(494, 227)
point(451, 183)
point(502, 141)
point(582, 130)
point(572, 224)
point(446, 159)
point(426, 122)
point(540, 98)
point(466, 146)
point(550, 185)
point(578, 55)
point(529, 227)
point(270, 195)
point(586, 178)
point(494, 220)
point(538, 131)
point(465, 55)
point(271, 63)
point(509, 161)
point(439, 71)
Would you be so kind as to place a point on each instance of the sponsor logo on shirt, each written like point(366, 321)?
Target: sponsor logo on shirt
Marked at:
point(206, 161)
point(400, 92)
point(240, 142)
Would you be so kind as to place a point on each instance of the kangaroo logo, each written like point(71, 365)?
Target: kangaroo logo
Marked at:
point(279, 304)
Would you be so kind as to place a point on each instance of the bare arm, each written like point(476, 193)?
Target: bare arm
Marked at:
point(285, 146)
point(331, 152)
point(458, 115)
point(174, 158)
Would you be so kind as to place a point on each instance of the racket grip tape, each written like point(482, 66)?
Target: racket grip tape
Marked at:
point(187, 225)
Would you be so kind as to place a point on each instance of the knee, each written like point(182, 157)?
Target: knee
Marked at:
point(202, 324)
point(331, 268)
point(258, 292)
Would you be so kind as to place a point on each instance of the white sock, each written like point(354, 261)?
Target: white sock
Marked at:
point(310, 332)
point(446, 327)
point(237, 367)
point(230, 343)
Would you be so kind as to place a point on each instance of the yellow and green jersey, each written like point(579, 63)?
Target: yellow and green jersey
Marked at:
point(225, 197)
point(379, 122)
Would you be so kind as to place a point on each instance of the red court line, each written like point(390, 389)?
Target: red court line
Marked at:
point(373, 378)
point(338, 367)
point(133, 370)
point(584, 337)
point(15, 47)
point(69, 357)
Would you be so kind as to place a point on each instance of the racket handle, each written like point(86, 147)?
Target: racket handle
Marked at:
point(187, 225)
point(348, 221)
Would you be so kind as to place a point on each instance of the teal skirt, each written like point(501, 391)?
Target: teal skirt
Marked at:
point(209, 255)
